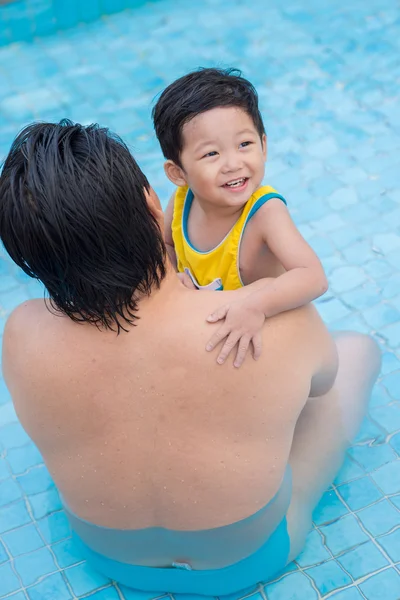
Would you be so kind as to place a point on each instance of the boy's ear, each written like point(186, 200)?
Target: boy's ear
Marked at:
point(264, 146)
point(175, 173)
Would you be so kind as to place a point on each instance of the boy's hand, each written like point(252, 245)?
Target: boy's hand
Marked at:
point(243, 324)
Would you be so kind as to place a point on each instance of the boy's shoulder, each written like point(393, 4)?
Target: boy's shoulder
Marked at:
point(263, 199)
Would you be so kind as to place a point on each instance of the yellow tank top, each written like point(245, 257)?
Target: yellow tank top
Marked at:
point(217, 269)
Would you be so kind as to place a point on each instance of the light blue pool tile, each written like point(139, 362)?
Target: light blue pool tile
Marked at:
point(292, 587)
point(388, 477)
point(380, 315)
point(357, 214)
point(37, 480)
point(4, 395)
point(8, 283)
point(314, 551)
point(8, 580)
point(370, 432)
point(9, 491)
point(290, 568)
point(22, 540)
point(3, 554)
point(325, 186)
point(350, 593)
point(344, 236)
point(391, 544)
point(45, 503)
point(7, 414)
point(395, 500)
point(66, 553)
point(388, 417)
point(30, 567)
point(331, 310)
point(328, 577)
point(13, 515)
point(343, 534)
point(13, 435)
point(55, 527)
point(321, 245)
point(372, 457)
point(17, 596)
point(392, 384)
point(383, 586)
point(342, 198)
point(366, 295)
point(359, 253)
point(391, 287)
point(130, 594)
point(83, 579)
point(21, 459)
point(363, 560)
point(378, 268)
point(4, 469)
point(328, 223)
point(386, 242)
point(347, 278)
point(379, 397)
point(50, 588)
point(352, 322)
point(109, 593)
point(329, 509)
point(395, 443)
point(359, 493)
point(379, 518)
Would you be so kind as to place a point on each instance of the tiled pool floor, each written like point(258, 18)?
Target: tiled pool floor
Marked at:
point(328, 74)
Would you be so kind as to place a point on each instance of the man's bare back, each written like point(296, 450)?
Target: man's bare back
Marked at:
point(144, 428)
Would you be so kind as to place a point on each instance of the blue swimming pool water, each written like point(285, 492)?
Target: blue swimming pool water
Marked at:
point(328, 74)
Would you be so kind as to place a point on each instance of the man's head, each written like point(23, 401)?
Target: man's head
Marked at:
point(211, 132)
point(77, 213)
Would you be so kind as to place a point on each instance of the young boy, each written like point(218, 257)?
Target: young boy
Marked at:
point(224, 229)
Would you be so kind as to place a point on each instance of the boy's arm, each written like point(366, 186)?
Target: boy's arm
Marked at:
point(169, 242)
point(304, 279)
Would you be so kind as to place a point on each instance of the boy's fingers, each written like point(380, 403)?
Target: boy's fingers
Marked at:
point(257, 346)
point(219, 314)
point(218, 336)
point(244, 343)
point(227, 348)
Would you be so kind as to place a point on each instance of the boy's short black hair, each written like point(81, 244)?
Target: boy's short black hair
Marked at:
point(198, 92)
point(73, 214)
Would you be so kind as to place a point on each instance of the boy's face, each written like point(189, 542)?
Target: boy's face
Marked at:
point(223, 157)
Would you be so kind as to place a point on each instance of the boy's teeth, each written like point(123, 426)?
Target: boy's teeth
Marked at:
point(236, 183)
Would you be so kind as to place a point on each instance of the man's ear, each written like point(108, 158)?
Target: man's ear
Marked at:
point(264, 145)
point(175, 173)
point(154, 205)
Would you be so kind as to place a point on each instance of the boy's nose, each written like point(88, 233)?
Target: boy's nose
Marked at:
point(233, 163)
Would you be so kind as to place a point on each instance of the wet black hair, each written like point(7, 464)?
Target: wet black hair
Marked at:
point(198, 92)
point(73, 214)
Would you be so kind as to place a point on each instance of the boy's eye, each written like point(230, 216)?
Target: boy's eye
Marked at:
point(244, 144)
point(212, 153)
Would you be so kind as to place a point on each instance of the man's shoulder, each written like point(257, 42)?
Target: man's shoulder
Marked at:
point(25, 328)
point(28, 312)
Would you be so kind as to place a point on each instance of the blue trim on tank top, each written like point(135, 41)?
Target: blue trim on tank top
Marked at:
point(188, 205)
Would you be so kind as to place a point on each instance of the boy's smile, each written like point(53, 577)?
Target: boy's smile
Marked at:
point(223, 157)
